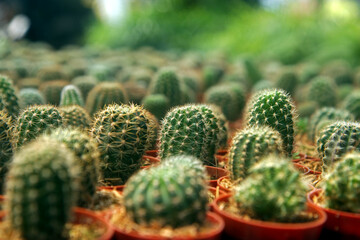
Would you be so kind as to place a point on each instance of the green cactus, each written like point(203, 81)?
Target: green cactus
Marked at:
point(30, 96)
point(167, 82)
point(122, 134)
point(52, 91)
point(84, 84)
point(5, 146)
point(306, 109)
point(9, 100)
point(102, 72)
point(86, 150)
point(352, 104)
point(275, 109)
point(41, 190)
point(340, 71)
point(288, 81)
point(153, 131)
point(249, 146)
point(172, 195)
point(272, 192)
point(51, 73)
point(104, 94)
point(192, 83)
point(75, 116)
point(323, 91)
point(328, 114)
point(262, 85)
point(309, 72)
point(253, 74)
point(192, 129)
point(212, 75)
point(342, 185)
point(33, 121)
point(71, 95)
point(336, 140)
point(157, 104)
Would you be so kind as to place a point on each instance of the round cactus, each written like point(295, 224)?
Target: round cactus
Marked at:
point(153, 131)
point(71, 95)
point(322, 91)
point(249, 146)
point(352, 104)
point(336, 140)
point(75, 116)
point(191, 129)
point(167, 195)
point(212, 75)
point(275, 109)
point(52, 91)
point(342, 185)
point(272, 192)
point(8, 98)
point(33, 121)
point(121, 132)
point(288, 81)
point(30, 96)
point(104, 94)
point(85, 84)
point(253, 74)
point(306, 109)
point(51, 73)
point(262, 85)
point(157, 104)
point(41, 189)
point(5, 146)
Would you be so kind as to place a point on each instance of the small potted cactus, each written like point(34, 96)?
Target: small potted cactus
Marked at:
point(270, 204)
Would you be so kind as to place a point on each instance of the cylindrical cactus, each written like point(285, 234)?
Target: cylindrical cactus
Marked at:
point(212, 75)
point(157, 104)
point(275, 109)
point(249, 146)
point(322, 91)
point(336, 140)
point(288, 81)
point(75, 116)
point(342, 185)
point(121, 132)
point(71, 95)
point(33, 121)
point(274, 191)
point(30, 96)
point(167, 195)
point(191, 129)
point(5, 146)
point(52, 91)
point(352, 104)
point(41, 189)
point(104, 94)
point(8, 98)
point(253, 74)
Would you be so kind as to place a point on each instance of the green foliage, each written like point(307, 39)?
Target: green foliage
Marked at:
point(9, 100)
point(275, 109)
point(322, 91)
point(249, 146)
point(52, 91)
point(30, 96)
point(272, 192)
point(157, 104)
point(41, 190)
point(75, 116)
point(6, 152)
point(84, 84)
point(352, 104)
point(71, 95)
point(173, 194)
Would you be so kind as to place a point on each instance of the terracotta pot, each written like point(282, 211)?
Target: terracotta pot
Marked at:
point(248, 229)
point(213, 234)
point(222, 188)
point(215, 191)
point(344, 225)
point(152, 153)
point(221, 156)
point(215, 173)
point(303, 169)
point(306, 157)
point(118, 188)
point(151, 159)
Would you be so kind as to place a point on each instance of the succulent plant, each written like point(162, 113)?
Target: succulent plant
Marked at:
point(306, 109)
point(323, 91)
point(272, 192)
point(153, 131)
point(51, 73)
point(288, 81)
point(84, 84)
point(352, 104)
point(71, 95)
point(41, 189)
point(253, 74)
point(192, 129)
point(9, 100)
point(212, 75)
point(75, 116)
point(336, 140)
point(157, 104)
point(5, 146)
point(275, 109)
point(262, 85)
point(121, 132)
point(86, 150)
point(104, 94)
point(30, 96)
point(342, 184)
point(249, 146)
point(52, 91)
point(33, 121)
point(172, 195)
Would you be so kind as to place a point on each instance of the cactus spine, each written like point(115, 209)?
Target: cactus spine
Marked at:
point(71, 95)
point(75, 116)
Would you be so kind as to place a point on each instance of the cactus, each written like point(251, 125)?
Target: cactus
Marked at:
point(275, 109)
point(153, 131)
point(33, 121)
point(71, 95)
point(75, 116)
point(272, 192)
point(192, 83)
point(9, 100)
point(51, 73)
point(309, 72)
point(30, 96)
point(288, 81)
point(323, 91)
point(328, 114)
point(172, 195)
point(5, 146)
point(168, 83)
point(85, 149)
point(42, 189)
point(306, 109)
point(262, 85)
point(336, 140)
point(249, 146)
point(104, 94)
point(340, 71)
point(52, 91)
point(342, 185)
point(212, 75)
point(253, 74)
point(84, 84)
point(352, 104)
point(192, 129)
point(157, 104)
point(122, 134)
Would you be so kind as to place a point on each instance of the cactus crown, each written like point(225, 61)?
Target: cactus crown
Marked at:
point(249, 146)
point(342, 184)
point(273, 191)
point(275, 109)
point(41, 189)
point(172, 194)
point(8, 98)
point(30, 96)
point(194, 130)
point(71, 95)
point(75, 116)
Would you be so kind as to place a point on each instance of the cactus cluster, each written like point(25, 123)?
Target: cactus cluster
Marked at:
point(8, 99)
point(75, 116)
point(157, 104)
point(352, 104)
point(6, 151)
point(173, 194)
point(85, 84)
point(212, 75)
point(52, 91)
point(71, 95)
point(30, 96)
point(322, 90)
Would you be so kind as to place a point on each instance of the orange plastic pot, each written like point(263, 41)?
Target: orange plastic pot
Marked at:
point(248, 229)
point(215, 173)
point(340, 224)
point(213, 234)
